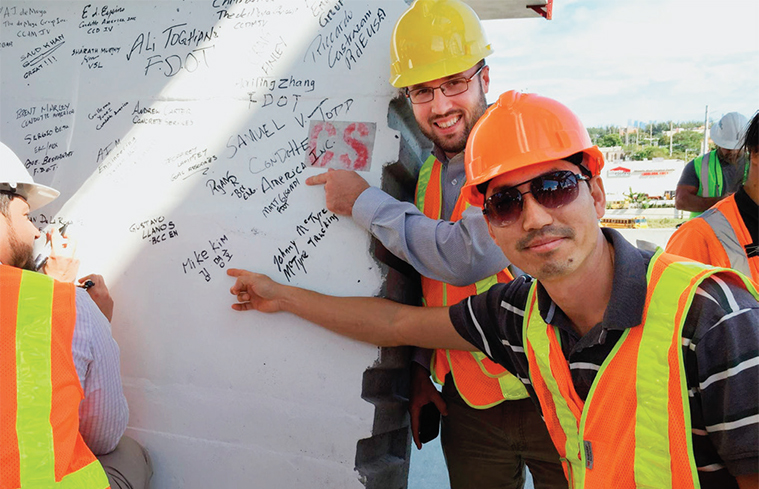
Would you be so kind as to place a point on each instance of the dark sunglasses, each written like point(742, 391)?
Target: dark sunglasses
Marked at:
point(551, 190)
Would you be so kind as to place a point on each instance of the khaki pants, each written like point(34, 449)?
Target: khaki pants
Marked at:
point(489, 448)
point(128, 466)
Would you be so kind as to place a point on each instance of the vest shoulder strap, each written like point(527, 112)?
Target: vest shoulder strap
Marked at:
point(424, 180)
point(702, 174)
point(725, 233)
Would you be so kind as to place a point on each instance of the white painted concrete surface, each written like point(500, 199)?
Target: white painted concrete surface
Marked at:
point(180, 134)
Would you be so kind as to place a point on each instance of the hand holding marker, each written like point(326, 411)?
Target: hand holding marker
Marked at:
point(58, 261)
point(41, 259)
point(58, 258)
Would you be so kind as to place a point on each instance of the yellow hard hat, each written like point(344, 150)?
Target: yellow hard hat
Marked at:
point(434, 39)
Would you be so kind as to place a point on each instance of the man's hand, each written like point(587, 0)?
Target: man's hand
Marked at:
point(61, 264)
point(423, 392)
point(342, 188)
point(255, 292)
point(99, 294)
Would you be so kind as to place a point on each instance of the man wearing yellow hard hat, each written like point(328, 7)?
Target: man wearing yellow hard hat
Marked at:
point(437, 59)
point(645, 367)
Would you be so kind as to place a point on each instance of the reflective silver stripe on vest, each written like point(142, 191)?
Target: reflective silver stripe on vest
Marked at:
point(725, 233)
point(704, 175)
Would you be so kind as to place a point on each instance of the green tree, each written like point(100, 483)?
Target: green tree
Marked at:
point(660, 127)
point(693, 125)
point(609, 140)
point(689, 141)
point(597, 133)
point(685, 144)
point(649, 153)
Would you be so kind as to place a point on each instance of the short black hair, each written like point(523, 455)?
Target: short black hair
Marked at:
point(575, 159)
point(751, 140)
point(483, 187)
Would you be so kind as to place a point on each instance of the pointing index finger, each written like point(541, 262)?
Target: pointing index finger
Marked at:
point(319, 179)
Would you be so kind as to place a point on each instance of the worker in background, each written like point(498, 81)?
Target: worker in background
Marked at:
point(717, 174)
point(644, 366)
point(727, 235)
point(62, 409)
point(437, 59)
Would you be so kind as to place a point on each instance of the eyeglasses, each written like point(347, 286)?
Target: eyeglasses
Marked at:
point(551, 190)
point(450, 88)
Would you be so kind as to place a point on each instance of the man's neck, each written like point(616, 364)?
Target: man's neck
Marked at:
point(450, 156)
point(584, 295)
point(443, 156)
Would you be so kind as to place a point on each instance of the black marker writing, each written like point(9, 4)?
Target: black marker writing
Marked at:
point(217, 252)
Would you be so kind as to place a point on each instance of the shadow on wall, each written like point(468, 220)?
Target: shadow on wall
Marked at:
point(383, 459)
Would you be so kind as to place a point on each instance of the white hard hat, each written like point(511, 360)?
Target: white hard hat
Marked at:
point(728, 132)
point(14, 178)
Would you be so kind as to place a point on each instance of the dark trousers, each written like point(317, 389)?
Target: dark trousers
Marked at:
point(489, 448)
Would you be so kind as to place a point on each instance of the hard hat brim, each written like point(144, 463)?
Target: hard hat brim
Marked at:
point(521, 130)
point(15, 179)
point(726, 143)
point(36, 195)
point(441, 69)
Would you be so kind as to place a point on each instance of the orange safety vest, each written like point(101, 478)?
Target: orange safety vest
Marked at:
point(481, 382)
point(717, 237)
point(40, 444)
point(634, 428)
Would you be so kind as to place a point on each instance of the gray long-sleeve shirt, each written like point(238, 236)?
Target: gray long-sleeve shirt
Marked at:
point(458, 253)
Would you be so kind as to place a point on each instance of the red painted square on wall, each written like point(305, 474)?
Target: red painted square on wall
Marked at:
point(341, 145)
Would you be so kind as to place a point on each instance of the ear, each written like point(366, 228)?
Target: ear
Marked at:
point(598, 194)
point(485, 75)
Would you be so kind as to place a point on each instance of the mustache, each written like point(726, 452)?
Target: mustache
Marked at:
point(542, 233)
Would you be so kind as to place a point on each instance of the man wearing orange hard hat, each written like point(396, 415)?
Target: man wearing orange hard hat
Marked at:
point(644, 366)
point(437, 59)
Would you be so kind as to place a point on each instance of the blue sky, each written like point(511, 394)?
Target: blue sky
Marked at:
point(612, 61)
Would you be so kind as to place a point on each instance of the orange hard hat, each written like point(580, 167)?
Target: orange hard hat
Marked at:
point(520, 130)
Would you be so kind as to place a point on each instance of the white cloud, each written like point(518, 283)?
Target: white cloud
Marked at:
point(645, 60)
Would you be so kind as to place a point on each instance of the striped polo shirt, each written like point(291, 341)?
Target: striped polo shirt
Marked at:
point(720, 347)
